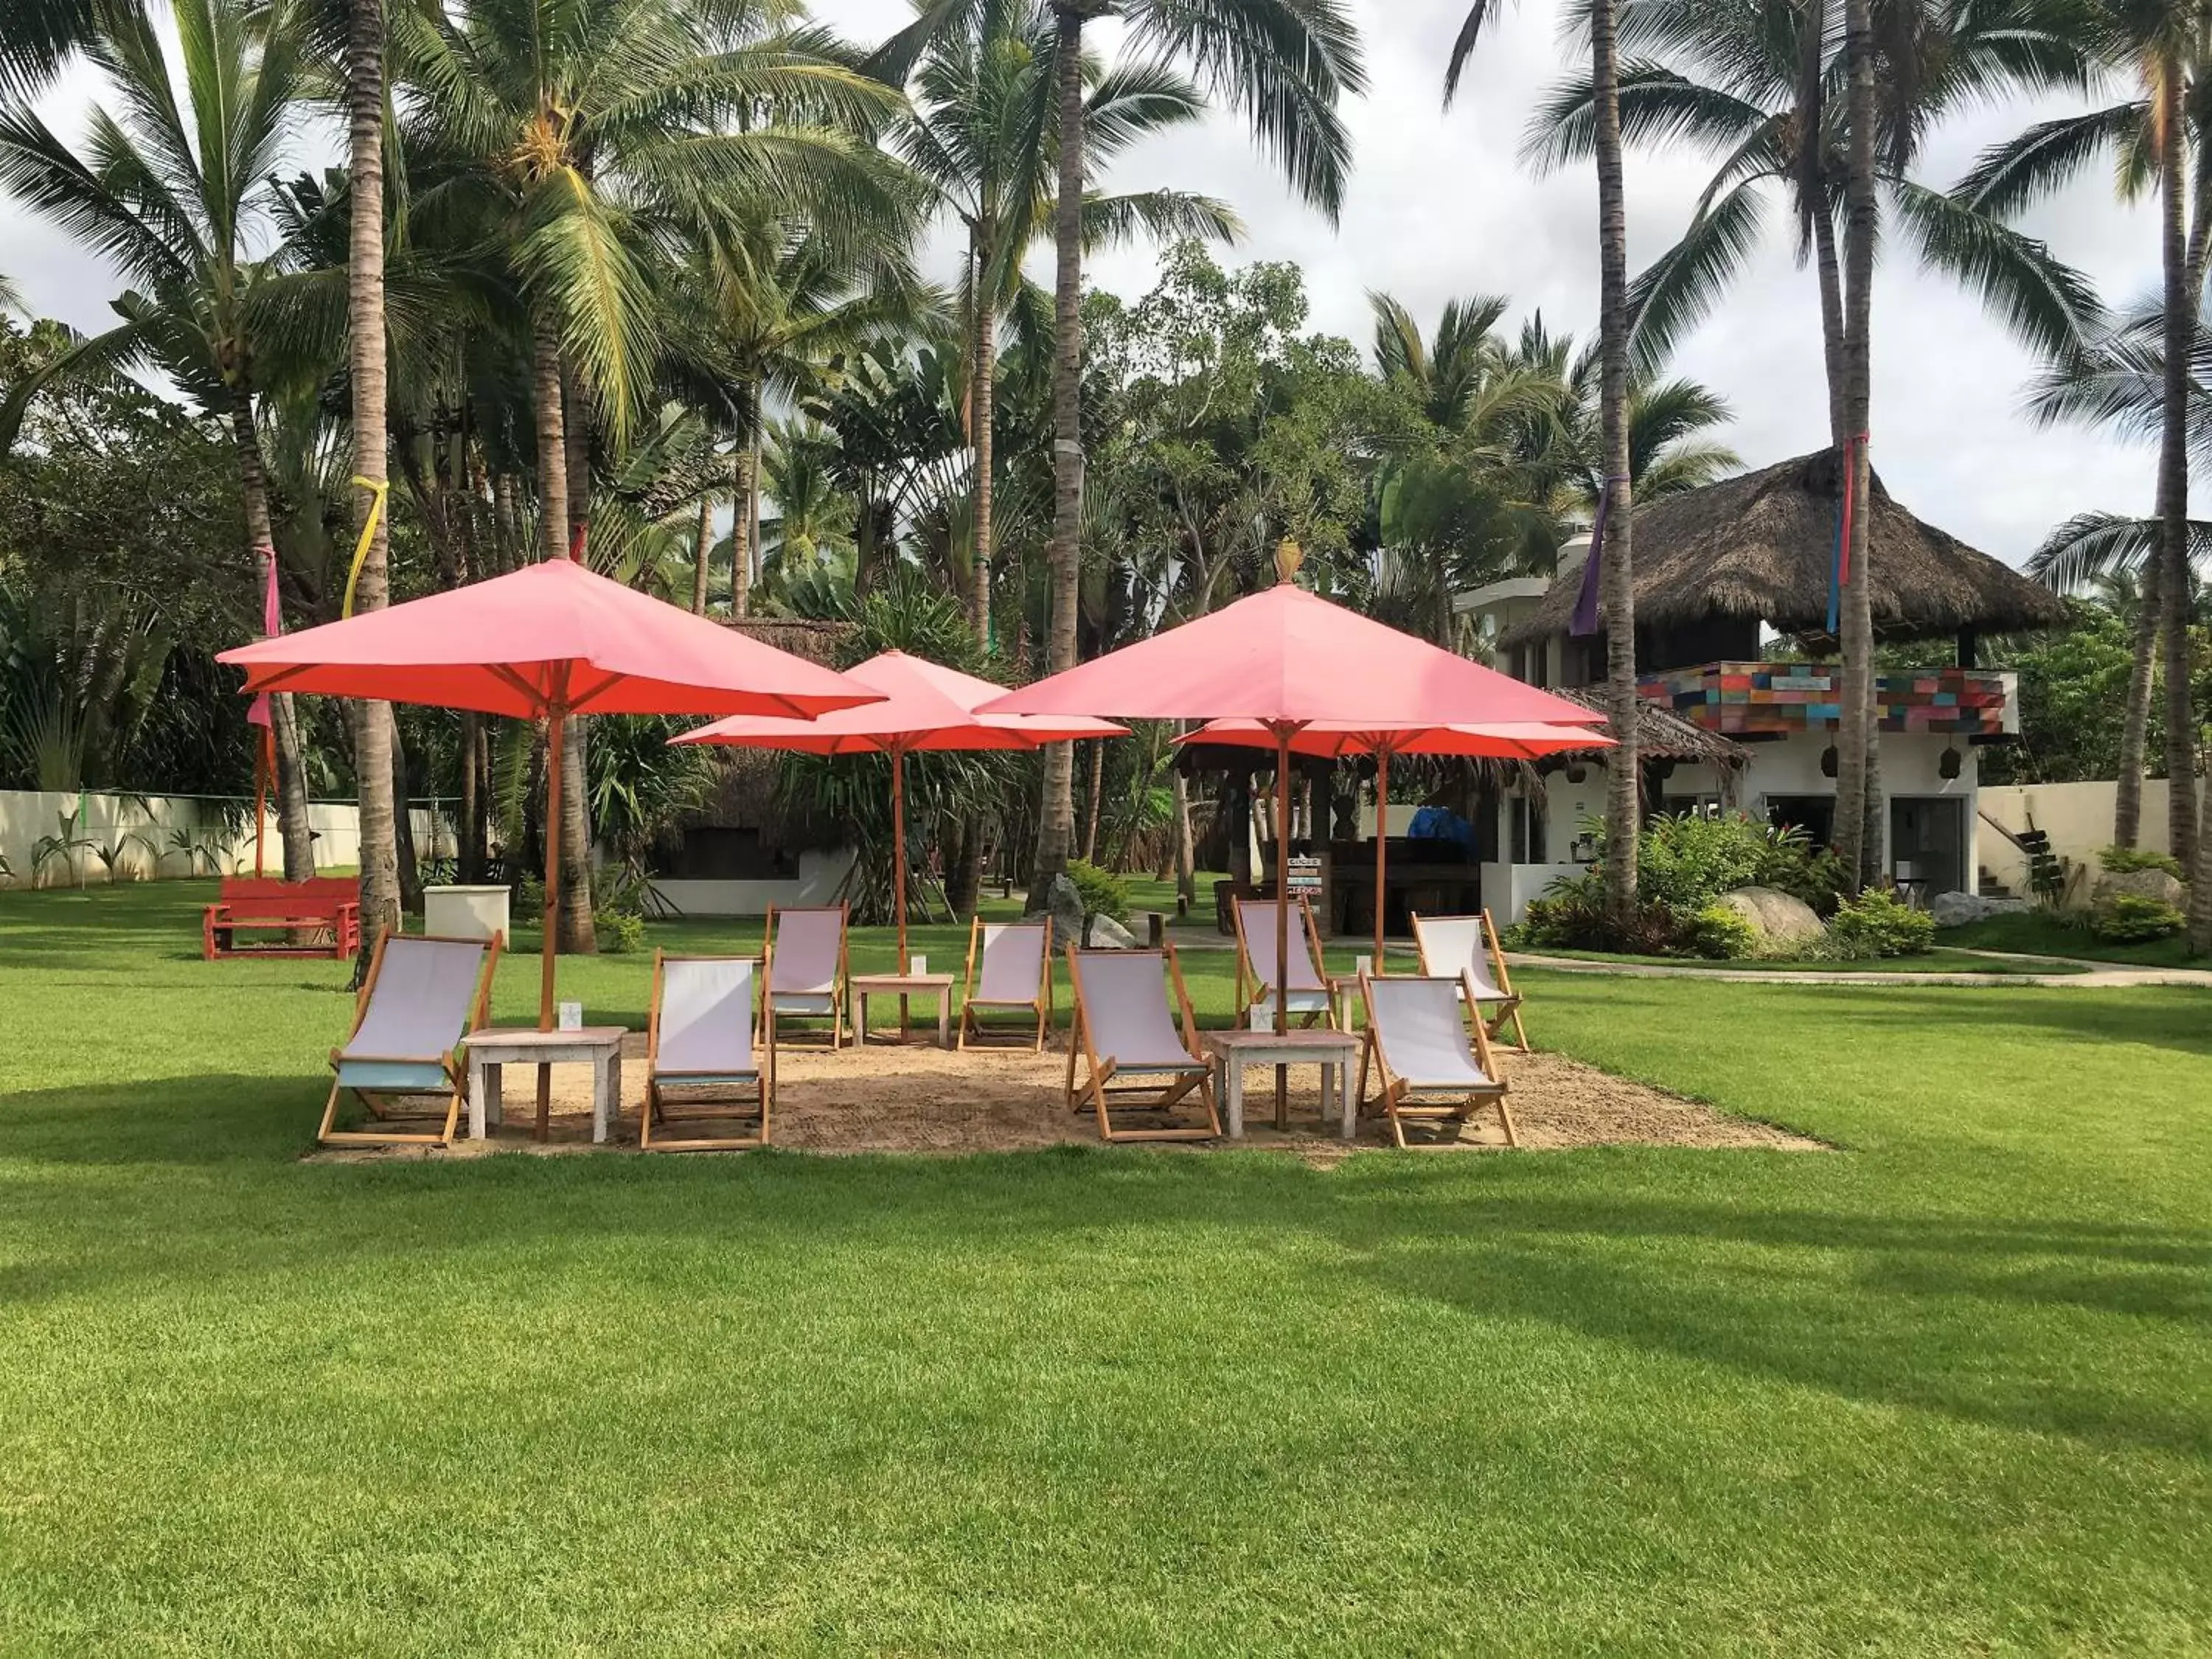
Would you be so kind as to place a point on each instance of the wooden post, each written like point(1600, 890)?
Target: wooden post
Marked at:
point(1382, 831)
point(1282, 914)
point(264, 768)
point(898, 856)
point(556, 717)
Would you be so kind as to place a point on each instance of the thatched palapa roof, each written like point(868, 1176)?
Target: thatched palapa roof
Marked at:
point(744, 792)
point(1661, 733)
point(1758, 546)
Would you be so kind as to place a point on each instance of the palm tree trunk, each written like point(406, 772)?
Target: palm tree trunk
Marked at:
point(1852, 840)
point(744, 528)
point(471, 861)
point(705, 545)
point(372, 722)
point(578, 934)
point(292, 827)
point(552, 444)
point(2134, 721)
point(1090, 811)
point(2200, 889)
point(1623, 815)
point(2181, 309)
point(1056, 818)
point(409, 867)
point(1831, 324)
point(982, 403)
point(1185, 843)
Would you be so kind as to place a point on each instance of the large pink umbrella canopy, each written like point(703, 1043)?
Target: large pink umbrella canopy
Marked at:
point(549, 641)
point(1289, 658)
point(1507, 740)
point(925, 706)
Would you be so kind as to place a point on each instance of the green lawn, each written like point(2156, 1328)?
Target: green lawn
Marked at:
point(1948, 1391)
point(1937, 961)
point(2034, 932)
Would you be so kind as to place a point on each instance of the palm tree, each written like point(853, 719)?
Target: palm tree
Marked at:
point(167, 193)
point(2157, 138)
point(584, 134)
point(373, 724)
point(1756, 86)
point(1617, 578)
point(982, 136)
point(1282, 64)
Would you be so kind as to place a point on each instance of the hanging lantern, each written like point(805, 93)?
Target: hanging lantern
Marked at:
point(1831, 763)
point(1949, 762)
point(1577, 771)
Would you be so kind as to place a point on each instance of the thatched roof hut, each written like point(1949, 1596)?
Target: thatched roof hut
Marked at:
point(1661, 733)
point(1757, 548)
point(744, 792)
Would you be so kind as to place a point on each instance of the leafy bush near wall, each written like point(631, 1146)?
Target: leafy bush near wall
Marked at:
point(2126, 860)
point(2134, 919)
point(1877, 923)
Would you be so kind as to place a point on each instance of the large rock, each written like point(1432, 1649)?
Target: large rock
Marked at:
point(1064, 904)
point(1957, 909)
point(1107, 934)
point(1779, 921)
point(2143, 884)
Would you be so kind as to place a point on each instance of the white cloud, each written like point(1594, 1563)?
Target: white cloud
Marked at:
point(1440, 205)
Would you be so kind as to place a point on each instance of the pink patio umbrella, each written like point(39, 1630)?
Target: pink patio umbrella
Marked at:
point(1508, 740)
point(926, 706)
point(1289, 659)
point(549, 641)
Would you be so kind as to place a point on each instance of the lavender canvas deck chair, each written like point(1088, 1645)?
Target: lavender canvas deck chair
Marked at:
point(1127, 1034)
point(1009, 968)
point(402, 1060)
point(1309, 1000)
point(703, 1056)
point(1453, 945)
point(1426, 1064)
point(806, 966)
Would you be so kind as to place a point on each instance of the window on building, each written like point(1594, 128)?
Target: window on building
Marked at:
point(1525, 830)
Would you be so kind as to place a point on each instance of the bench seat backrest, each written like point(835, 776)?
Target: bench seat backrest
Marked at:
point(316, 890)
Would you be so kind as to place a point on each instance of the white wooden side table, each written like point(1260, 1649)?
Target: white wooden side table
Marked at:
point(1335, 1052)
point(598, 1047)
point(902, 985)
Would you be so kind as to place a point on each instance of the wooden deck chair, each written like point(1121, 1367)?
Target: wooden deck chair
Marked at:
point(402, 1060)
point(1453, 945)
point(1016, 959)
point(1255, 965)
point(1124, 1029)
point(1426, 1065)
point(807, 970)
point(702, 1041)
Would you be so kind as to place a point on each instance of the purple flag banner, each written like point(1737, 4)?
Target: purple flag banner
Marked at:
point(1585, 622)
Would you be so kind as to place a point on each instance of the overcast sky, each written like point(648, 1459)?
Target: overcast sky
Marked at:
point(1439, 206)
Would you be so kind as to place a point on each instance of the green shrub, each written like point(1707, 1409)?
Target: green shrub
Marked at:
point(2133, 919)
point(1686, 860)
point(1877, 923)
point(1103, 893)
point(1720, 934)
point(2126, 860)
point(620, 932)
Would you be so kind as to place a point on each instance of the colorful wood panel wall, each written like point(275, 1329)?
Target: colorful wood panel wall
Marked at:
point(1778, 698)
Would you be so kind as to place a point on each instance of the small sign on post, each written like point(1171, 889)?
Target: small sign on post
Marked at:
point(1305, 877)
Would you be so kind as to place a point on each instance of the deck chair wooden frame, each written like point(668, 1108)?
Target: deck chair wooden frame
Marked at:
point(388, 1105)
point(722, 1095)
point(1162, 1088)
point(1400, 1099)
point(1251, 990)
point(972, 1027)
point(841, 984)
point(1491, 1010)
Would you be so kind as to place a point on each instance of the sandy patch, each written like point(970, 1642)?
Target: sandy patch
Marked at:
point(919, 1098)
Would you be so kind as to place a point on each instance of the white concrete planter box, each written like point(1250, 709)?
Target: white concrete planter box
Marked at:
point(466, 912)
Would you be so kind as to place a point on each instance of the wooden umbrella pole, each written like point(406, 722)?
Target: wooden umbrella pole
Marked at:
point(1381, 835)
point(556, 717)
point(898, 845)
point(264, 766)
point(1282, 916)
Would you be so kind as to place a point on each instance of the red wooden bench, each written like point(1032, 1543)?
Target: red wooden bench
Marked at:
point(330, 905)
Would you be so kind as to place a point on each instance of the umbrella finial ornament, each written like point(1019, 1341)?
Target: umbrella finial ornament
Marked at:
point(1289, 556)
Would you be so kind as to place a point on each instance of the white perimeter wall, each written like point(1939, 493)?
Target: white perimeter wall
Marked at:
point(29, 816)
point(2077, 817)
point(820, 876)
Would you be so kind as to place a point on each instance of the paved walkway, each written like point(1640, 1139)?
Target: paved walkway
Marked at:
point(2083, 975)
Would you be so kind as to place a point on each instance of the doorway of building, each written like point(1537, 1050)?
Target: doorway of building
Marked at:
point(1927, 845)
point(1815, 814)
